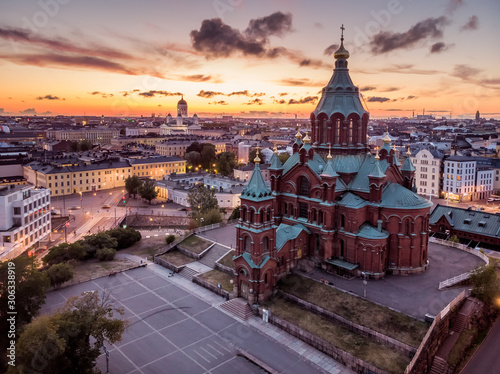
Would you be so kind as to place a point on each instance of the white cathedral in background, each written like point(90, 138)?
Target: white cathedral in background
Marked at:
point(180, 125)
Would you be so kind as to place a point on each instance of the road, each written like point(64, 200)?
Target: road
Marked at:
point(90, 217)
point(486, 359)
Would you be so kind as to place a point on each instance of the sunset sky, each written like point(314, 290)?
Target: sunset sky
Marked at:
point(246, 58)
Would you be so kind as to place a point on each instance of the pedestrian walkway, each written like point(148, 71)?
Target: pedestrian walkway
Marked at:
point(319, 360)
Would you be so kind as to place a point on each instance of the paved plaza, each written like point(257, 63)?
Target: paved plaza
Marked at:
point(172, 330)
point(415, 294)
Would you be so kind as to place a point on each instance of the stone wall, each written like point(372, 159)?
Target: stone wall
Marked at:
point(160, 261)
point(224, 269)
point(362, 330)
point(346, 359)
point(437, 333)
point(211, 287)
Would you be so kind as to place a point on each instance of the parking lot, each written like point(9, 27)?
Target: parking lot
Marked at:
point(173, 331)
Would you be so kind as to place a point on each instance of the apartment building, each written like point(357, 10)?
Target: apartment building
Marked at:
point(24, 219)
point(464, 180)
point(95, 135)
point(101, 175)
point(178, 148)
point(428, 172)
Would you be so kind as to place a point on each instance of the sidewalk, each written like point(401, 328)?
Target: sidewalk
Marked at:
point(321, 361)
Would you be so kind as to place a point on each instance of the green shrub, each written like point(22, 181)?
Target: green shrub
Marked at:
point(105, 254)
point(59, 273)
point(125, 237)
point(170, 239)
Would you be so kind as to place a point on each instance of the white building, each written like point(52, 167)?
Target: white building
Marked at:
point(464, 181)
point(427, 175)
point(24, 219)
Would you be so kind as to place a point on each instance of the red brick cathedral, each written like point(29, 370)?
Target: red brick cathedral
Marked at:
point(332, 204)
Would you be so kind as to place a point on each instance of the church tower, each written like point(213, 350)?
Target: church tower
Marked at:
point(182, 108)
point(254, 261)
point(340, 120)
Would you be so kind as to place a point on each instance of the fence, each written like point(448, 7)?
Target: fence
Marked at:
point(214, 226)
point(434, 330)
point(462, 277)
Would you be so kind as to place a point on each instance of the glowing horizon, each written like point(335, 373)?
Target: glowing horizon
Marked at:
point(264, 59)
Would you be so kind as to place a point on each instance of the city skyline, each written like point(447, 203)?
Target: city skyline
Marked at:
point(259, 59)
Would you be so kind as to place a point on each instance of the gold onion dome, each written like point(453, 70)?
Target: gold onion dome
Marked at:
point(329, 153)
point(275, 150)
point(341, 52)
point(298, 135)
point(387, 139)
point(307, 139)
point(408, 153)
point(257, 158)
point(377, 157)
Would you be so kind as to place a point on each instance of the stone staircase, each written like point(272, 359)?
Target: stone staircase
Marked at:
point(188, 273)
point(239, 308)
point(439, 366)
point(216, 252)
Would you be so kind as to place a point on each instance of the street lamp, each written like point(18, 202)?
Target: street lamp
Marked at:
point(81, 200)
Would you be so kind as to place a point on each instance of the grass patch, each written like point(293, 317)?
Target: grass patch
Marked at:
point(94, 268)
point(195, 244)
point(215, 276)
point(396, 325)
point(146, 247)
point(227, 260)
point(176, 258)
point(359, 346)
point(464, 341)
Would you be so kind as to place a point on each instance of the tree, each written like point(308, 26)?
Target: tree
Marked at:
point(170, 239)
point(194, 147)
point(284, 156)
point(125, 237)
point(193, 158)
point(454, 239)
point(74, 147)
point(148, 190)
point(30, 287)
point(65, 252)
point(484, 283)
point(253, 154)
point(201, 200)
point(71, 340)
point(208, 155)
point(105, 254)
point(132, 185)
point(226, 162)
point(235, 214)
point(211, 217)
point(60, 273)
point(85, 145)
point(93, 243)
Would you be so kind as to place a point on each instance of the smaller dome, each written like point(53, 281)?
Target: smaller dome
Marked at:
point(182, 101)
point(387, 139)
point(341, 52)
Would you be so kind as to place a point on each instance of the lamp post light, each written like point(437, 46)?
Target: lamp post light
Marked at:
point(81, 200)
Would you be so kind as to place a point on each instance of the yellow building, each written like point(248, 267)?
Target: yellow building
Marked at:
point(178, 148)
point(98, 176)
point(100, 136)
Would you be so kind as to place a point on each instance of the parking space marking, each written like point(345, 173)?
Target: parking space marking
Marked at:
point(203, 357)
point(203, 349)
point(221, 346)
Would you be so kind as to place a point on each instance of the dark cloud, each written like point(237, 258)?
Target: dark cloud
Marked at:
point(279, 101)
point(59, 44)
point(387, 41)
point(318, 25)
point(299, 82)
point(28, 112)
point(330, 49)
point(472, 24)
point(438, 47)
point(216, 39)
point(465, 72)
point(367, 88)
point(305, 100)
point(283, 94)
point(277, 24)
point(208, 94)
point(49, 97)
point(407, 69)
point(47, 113)
point(255, 101)
point(55, 60)
point(221, 102)
point(411, 97)
point(154, 93)
point(103, 95)
point(196, 78)
point(312, 63)
point(239, 93)
point(390, 89)
point(378, 99)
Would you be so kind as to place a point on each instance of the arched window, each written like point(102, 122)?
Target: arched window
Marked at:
point(244, 214)
point(407, 227)
point(342, 221)
point(265, 278)
point(265, 244)
point(268, 215)
point(247, 244)
point(251, 212)
point(303, 186)
point(320, 217)
point(286, 209)
point(337, 131)
point(350, 131)
point(342, 248)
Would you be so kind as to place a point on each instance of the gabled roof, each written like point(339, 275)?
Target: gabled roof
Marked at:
point(399, 197)
point(316, 164)
point(348, 164)
point(285, 233)
point(248, 258)
point(329, 171)
point(468, 220)
point(408, 165)
point(360, 181)
point(275, 163)
point(376, 171)
point(256, 188)
point(291, 162)
point(352, 201)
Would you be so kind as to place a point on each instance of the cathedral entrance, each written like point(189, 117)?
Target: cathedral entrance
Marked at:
point(244, 290)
